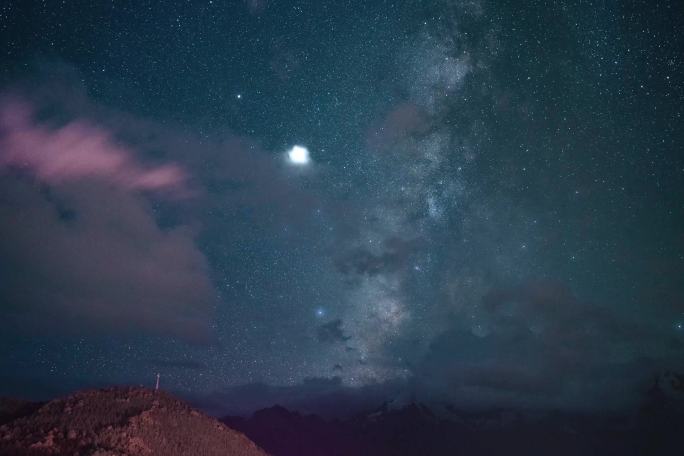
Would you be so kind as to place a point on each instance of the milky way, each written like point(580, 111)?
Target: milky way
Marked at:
point(472, 201)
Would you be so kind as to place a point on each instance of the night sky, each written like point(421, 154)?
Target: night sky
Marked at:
point(473, 201)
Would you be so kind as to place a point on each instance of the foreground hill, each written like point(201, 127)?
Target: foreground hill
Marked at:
point(11, 408)
point(121, 422)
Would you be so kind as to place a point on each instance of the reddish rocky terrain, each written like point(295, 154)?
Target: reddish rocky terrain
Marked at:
point(121, 422)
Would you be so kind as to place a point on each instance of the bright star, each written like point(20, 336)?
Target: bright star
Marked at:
point(298, 155)
point(320, 312)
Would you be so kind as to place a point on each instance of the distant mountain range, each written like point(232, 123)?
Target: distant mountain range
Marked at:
point(138, 421)
point(415, 429)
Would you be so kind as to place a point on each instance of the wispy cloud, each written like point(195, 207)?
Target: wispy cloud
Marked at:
point(77, 150)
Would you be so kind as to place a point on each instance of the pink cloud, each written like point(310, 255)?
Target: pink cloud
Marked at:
point(76, 151)
point(108, 266)
point(81, 243)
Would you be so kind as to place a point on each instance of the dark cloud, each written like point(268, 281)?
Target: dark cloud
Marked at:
point(80, 243)
point(326, 396)
point(538, 344)
point(402, 121)
point(101, 215)
point(108, 268)
point(393, 256)
point(332, 332)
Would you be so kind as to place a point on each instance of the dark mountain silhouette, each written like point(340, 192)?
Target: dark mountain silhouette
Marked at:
point(137, 421)
point(415, 429)
point(117, 421)
point(291, 433)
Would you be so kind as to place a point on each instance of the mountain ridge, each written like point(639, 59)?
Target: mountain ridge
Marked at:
point(122, 421)
point(417, 429)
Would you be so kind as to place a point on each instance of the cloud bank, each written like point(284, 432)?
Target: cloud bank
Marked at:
point(81, 248)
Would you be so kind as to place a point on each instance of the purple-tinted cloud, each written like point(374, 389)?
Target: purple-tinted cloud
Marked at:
point(81, 248)
point(75, 151)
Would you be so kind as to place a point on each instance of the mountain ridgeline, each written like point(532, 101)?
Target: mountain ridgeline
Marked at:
point(142, 422)
point(117, 422)
point(415, 429)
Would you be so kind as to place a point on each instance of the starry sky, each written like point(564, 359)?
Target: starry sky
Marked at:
point(473, 201)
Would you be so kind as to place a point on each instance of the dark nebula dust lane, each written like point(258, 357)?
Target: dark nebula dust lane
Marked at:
point(473, 202)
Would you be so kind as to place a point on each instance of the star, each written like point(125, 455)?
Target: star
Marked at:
point(299, 155)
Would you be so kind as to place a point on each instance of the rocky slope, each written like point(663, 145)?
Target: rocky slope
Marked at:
point(121, 422)
point(11, 409)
